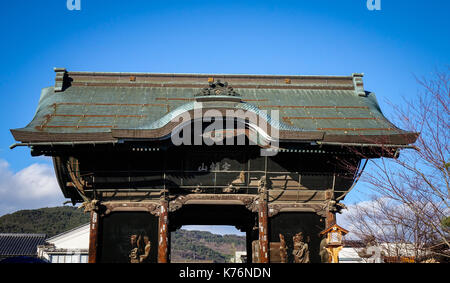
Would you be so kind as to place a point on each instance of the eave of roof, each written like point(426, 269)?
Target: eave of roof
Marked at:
point(61, 235)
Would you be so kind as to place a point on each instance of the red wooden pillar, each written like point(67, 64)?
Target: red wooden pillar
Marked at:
point(93, 237)
point(163, 233)
point(263, 229)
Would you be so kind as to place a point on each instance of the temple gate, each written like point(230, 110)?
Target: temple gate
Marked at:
point(147, 153)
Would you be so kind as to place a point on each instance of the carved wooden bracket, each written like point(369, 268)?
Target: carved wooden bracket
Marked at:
point(177, 203)
point(90, 206)
point(251, 203)
point(335, 207)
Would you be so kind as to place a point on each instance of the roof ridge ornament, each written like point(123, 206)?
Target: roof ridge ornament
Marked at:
point(358, 84)
point(60, 79)
point(217, 88)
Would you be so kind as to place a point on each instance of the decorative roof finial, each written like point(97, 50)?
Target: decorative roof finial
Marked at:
point(217, 88)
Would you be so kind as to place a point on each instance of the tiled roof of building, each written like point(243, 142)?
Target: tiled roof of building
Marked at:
point(12, 244)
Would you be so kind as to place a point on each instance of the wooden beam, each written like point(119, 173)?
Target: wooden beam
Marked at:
point(163, 233)
point(93, 237)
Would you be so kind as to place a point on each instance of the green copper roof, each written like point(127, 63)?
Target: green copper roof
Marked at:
point(90, 103)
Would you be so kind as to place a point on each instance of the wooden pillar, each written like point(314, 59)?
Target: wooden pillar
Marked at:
point(331, 219)
point(334, 253)
point(263, 233)
point(331, 206)
point(163, 232)
point(263, 229)
point(93, 237)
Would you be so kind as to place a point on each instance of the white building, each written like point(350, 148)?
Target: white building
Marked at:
point(384, 252)
point(350, 255)
point(69, 247)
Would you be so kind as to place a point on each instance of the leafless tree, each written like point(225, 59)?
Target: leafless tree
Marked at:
point(412, 190)
point(394, 228)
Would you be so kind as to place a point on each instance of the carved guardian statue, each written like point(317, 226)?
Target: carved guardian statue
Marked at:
point(301, 249)
point(283, 249)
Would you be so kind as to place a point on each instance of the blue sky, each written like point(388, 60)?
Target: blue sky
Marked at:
point(323, 37)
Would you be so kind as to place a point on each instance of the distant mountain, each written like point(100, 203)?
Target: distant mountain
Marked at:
point(50, 221)
point(186, 245)
point(202, 246)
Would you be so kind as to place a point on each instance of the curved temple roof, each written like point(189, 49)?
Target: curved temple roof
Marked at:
point(107, 107)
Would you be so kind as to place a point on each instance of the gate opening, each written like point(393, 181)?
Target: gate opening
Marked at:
point(208, 244)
